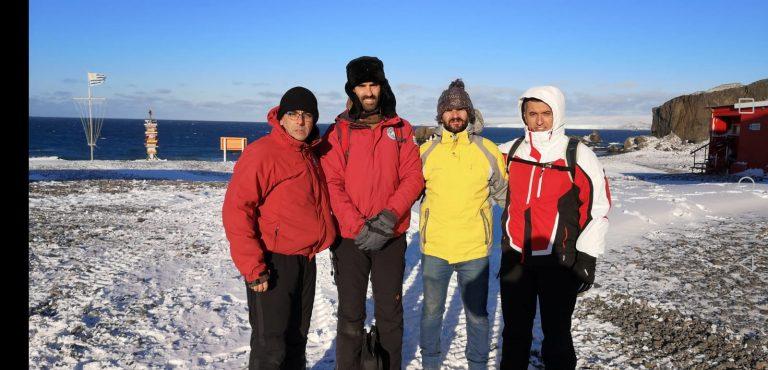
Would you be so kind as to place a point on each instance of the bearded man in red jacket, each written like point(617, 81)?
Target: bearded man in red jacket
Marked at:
point(277, 217)
point(373, 170)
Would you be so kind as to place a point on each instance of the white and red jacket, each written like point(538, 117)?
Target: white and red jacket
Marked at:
point(549, 215)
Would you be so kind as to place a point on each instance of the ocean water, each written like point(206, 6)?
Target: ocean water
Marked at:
point(123, 139)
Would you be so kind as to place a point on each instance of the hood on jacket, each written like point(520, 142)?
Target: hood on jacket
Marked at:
point(554, 98)
point(311, 141)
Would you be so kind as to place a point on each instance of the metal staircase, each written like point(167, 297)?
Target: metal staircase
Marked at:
point(700, 166)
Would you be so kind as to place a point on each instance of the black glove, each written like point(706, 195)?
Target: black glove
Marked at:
point(376, 231)
point(583, 288)
point(385, 221)
point(584, 268)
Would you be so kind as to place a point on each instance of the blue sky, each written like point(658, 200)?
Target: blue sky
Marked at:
point(232, 60)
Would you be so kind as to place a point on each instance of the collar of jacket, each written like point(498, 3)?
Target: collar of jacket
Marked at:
point(447, 137)
point(549, 146)
point(344, 119)
point(279, 134)
point(543, 141)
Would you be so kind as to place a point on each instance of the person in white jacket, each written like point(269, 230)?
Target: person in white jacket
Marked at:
point(554, 226)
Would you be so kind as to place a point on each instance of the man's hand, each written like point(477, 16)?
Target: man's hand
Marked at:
point(261, 284)
point(384, 221)
point(370, 239)
point(376, 231)
point(260, 288)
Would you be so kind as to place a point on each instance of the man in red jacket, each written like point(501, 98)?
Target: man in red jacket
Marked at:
point(277, 217)
point(373, 170)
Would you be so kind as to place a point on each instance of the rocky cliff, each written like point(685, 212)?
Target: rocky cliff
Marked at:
point(688, 116)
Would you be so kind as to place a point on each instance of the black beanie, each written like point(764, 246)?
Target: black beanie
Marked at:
point(298, 98)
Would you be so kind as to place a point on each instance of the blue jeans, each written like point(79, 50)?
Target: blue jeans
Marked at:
point(473, 286)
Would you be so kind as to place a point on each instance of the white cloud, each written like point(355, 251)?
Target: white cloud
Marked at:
point(417, 103)
point(609, 122)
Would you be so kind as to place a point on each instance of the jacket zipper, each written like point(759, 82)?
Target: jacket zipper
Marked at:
point(565, 238)
point(308, 160)
point(541, 178)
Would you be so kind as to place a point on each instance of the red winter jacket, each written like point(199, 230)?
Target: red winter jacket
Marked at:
point(277, 201)
point(382, 171)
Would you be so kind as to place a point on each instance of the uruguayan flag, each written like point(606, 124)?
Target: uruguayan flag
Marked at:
point(95, 78)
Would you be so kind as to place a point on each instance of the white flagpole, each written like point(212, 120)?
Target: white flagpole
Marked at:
point(90, 120)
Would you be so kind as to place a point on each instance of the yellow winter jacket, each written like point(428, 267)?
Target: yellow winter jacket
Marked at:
point(456, 215)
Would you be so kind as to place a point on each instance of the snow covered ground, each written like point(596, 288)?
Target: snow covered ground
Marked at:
point(130, 268)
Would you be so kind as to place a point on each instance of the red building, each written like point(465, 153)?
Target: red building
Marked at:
point(738, 139)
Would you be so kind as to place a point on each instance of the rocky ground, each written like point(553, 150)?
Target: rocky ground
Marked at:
point(137, 274)
point(691, 298)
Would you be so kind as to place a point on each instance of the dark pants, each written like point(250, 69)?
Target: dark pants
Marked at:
point(386, 268)
point(280, 316)
point(555, 288)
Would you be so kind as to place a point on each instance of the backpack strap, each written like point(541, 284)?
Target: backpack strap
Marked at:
point(399, 134)
point(513, 149)
point(343, 134)
point(570, 156)
point(542, 164)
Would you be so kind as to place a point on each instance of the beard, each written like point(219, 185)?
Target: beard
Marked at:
point(369, 107)
point(456, 125)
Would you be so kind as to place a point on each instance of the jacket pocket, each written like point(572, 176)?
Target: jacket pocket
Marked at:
point(486, 227)
point(566, 251)
point(423, 230)
point(277, 237)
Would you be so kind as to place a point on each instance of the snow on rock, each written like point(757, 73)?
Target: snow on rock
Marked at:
point(134, 272)
point(669, 154)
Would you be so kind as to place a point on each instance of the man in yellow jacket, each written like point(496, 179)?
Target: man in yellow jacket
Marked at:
point(464, 173)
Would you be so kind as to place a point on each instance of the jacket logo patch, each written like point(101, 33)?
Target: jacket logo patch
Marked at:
point(391, 133)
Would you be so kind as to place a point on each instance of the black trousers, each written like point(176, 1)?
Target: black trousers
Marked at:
point(280, 316)
point(386, 268)
point(556, 288)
